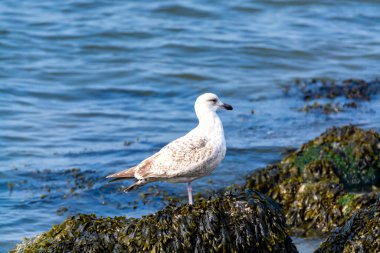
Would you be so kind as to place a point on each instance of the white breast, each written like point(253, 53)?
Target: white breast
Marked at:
point(192, 156)
point(213, 130)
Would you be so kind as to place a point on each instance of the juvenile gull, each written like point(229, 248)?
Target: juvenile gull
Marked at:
point(187, 158)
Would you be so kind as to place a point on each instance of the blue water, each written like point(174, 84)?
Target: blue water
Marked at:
point(100, 85)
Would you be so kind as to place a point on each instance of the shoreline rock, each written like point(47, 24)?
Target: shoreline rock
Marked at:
point(319, 187)
point(238, 221)
point(323, 183)
point(360, 234)
point(326, 96)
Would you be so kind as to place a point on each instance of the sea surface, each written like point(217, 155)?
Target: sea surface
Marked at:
point(90, 87)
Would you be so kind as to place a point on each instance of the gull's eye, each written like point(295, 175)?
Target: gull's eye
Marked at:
point(214, 100)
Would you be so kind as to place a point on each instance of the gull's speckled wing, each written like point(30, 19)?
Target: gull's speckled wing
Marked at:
point(186, 157)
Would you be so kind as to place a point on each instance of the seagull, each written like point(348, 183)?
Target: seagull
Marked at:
point(189, 157)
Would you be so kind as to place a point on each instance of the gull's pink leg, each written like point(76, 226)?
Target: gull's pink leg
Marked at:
point(189, 193)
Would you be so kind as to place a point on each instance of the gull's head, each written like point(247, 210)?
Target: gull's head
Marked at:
point(209, 102)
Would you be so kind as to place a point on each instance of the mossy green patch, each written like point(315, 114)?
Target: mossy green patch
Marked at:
point(307, 156)
point(346, 199)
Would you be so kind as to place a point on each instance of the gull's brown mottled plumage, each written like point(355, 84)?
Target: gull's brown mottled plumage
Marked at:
point(187, 158)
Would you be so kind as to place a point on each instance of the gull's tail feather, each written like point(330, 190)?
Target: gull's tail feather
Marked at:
point(135, 185)
point(118, 179)
point(125, 174)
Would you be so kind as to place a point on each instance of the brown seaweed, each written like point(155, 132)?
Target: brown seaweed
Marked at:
point(237, 221)
point(321, 185)
point(359, 234)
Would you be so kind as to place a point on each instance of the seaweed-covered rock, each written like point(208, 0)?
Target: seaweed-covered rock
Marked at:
point(238, 221)
point(317, 185)
point(360, 234)
point(325, 108)
point(351, 88)
point(350, 152)
point(331, 96)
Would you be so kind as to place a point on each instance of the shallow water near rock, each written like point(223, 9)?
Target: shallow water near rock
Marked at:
point(100, 86)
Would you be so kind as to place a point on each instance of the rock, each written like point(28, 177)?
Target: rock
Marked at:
point(238, 221)
point(351, 153)
point(360, 234)
point(330, 96)
point(318, 185)
point(329, 89)
point(325, 108)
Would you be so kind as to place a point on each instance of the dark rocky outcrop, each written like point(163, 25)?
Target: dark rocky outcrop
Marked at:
point(237, 221)
point(351, 88)
point(360, 234)
point(331, 96)
point(321, 185)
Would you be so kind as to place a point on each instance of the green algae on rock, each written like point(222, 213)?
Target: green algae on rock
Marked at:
point(238, 221)
point(317, 185)
point(354, 155)
point(360, 234)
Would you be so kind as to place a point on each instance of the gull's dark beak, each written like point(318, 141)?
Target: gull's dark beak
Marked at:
point(227, 107)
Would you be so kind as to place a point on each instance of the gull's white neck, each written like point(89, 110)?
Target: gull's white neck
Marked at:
point(210, 124)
